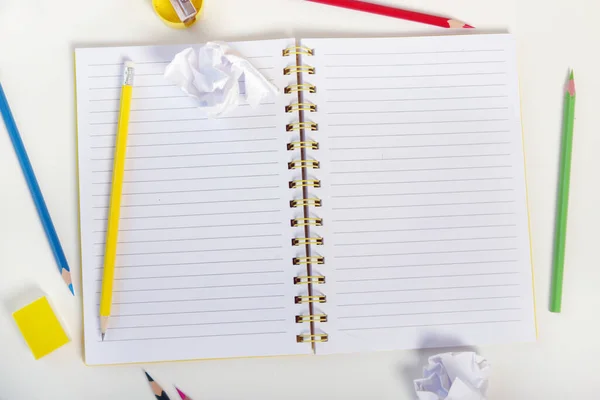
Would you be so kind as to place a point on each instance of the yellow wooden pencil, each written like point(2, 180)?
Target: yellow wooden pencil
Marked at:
point(114, 213)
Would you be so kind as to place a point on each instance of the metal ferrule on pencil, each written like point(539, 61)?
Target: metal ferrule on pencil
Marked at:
point(128, 74)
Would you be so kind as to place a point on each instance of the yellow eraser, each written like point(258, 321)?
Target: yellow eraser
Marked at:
point(40, 328)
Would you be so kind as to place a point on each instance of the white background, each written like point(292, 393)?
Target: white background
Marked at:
point(37, 38)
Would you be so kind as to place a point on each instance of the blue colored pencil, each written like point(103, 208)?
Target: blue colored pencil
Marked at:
point(35, 191)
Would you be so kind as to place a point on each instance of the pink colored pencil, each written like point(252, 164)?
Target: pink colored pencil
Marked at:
point(182, 395)
point(393, 12)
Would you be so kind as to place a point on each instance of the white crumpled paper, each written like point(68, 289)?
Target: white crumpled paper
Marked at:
point(213, 76)
point(454, 376)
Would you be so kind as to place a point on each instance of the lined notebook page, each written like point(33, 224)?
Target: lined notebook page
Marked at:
point(204, 256)
point(426, 225)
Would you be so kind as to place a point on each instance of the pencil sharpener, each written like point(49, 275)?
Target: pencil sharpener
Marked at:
point(166, 12)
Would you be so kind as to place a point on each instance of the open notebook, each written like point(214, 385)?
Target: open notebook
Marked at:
point(377, 203)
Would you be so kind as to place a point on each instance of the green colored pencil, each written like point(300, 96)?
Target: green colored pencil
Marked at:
point(562, 206)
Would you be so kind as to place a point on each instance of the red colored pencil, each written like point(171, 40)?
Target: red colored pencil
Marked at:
point(394, 13)
point(182, 395)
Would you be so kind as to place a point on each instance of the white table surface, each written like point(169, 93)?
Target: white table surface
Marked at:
point(37, 38)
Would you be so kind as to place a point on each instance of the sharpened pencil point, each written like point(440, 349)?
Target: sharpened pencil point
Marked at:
point(149, 377)
point(103, 334)
point(181, 394)
point(571, 84)
point(468, 26)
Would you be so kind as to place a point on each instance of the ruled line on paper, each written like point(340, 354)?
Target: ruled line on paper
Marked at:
point(261, 260)
point(199, 312)
point(195, 275)
point(414, 76)
point(422, 122)
point(423, 181)
point(425, 277)
point(194, 107)
point(189, 179)
point(189, 167)
point(428, 265)
point(191, 191)
point(143, 98)
point(430, 312)
point(194, 337)
point(196, 324)
point(420, 146)
point(194, 239)
point(420, 194)
point(190, 131)
point(194, 214)
point(188, 155)
point(474, 167)
point(193, 202)
point(194, 226)
point(412, 134)
point(188, 143)
point(411, 64)
point(430, 301)
point(429, 325)
point(413, 87)
point(197, 287)
point(200, 299)
point(431, 252)
point(354, 232)
point(415, 111)
point(423, 205)
point(419, 99)
point(421, 289)
point(425, 241)
point(182, 120)
point(424, 158)
point(195, 251)
point(424, 217)
point(368, 54)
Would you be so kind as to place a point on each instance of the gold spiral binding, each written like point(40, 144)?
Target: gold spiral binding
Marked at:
point(309, 260)
point(312, 202)
point(301, 183)
point(298, 222)
point(297, 164)
point(297, 126)
point(295, 107)
point(307, 280)
point(299, 69)
point(295, 50)
point(318, 338)
point(311, 318)
point(304, 241)
point(305, 183)
point(302, 87)
point(303, 145)
point(310, 299)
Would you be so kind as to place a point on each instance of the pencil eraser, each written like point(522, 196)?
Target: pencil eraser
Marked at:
point(40, 328)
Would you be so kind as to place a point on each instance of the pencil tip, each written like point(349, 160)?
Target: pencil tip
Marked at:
point(103, 334)
point(571, 84)
point(181, 394)
point(71, 289)
point(149, 377)
point(468, 26)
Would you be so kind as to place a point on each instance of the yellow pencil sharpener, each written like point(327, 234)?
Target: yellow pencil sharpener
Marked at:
point(167, 13)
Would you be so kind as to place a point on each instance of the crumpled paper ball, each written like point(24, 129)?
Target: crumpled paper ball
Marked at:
point(219, 78)
point(454, 376)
